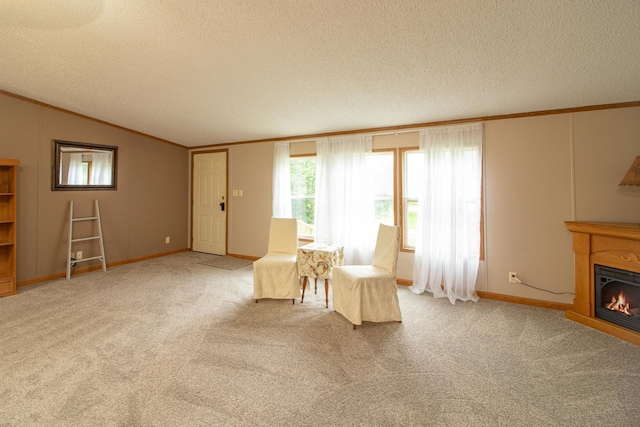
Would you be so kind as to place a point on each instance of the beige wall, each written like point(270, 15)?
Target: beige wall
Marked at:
point(606, 142)
point(527, 198)
point(150, 203)
point(250, 170)
point(539, 172)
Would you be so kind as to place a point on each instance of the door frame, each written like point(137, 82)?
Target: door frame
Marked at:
point(228, 205)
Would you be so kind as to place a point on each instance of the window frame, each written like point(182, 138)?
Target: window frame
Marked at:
point(403, 241)
point(304, 238)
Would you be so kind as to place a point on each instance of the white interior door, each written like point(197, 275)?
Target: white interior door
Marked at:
point(209, 217)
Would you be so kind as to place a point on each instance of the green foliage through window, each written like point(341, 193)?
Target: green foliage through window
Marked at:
point(303, 191)
point(303, 186)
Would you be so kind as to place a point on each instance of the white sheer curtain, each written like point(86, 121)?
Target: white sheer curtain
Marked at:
point(448, 240)
point(281, 202)
point(75, 176)
point(344, 212)
point(101, 169)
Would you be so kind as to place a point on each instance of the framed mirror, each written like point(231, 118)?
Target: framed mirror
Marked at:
point(84, 166)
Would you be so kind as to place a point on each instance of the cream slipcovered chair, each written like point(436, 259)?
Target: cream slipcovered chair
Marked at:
point(370, 292)
point(275, 275)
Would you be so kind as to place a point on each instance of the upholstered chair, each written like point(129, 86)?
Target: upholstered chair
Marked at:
point(370, 292)
point(275, 275)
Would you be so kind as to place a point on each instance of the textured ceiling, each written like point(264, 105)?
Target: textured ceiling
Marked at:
point(198, 72)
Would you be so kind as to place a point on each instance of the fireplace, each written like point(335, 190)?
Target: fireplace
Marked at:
point(617, 296)
point(607, 277)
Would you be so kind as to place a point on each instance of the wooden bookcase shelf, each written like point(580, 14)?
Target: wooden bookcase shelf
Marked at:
point(8, 204)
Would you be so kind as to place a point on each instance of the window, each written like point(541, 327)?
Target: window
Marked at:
point(303, 181)
point(411, 165)
point(387, 180)
point(303, 188)
point(382, 164)
point(411, 162)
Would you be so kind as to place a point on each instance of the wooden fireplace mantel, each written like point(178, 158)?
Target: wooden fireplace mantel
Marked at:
point(614, 245)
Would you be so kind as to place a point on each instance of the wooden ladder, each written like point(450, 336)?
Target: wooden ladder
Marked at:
point(71, 261)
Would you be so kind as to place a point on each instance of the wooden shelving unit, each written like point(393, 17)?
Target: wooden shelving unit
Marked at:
point(8, 195)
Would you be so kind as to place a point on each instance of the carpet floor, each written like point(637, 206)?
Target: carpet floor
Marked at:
point(226, 262)
point(170, 341)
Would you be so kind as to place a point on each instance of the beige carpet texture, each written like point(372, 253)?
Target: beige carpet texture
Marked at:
point(226, 262)
point(172, 342)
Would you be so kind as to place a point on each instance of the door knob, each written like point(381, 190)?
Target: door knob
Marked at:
point(222, 206)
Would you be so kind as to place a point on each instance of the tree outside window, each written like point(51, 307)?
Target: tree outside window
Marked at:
point(303, 191)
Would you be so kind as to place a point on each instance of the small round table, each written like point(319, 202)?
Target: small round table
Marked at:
point(317, 260)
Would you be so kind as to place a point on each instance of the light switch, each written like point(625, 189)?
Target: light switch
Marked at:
point(240, 193)
point(235, 193)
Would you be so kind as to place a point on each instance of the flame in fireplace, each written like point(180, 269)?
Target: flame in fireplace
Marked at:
point(619, 304)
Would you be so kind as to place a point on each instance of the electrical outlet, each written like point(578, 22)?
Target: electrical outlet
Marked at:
point(167, 239)
point(513, 276)
point(79, 255)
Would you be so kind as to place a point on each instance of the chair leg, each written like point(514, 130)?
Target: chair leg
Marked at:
point(293, 301)
point(256, 301)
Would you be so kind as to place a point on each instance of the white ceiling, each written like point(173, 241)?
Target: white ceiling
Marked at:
point(198, 72)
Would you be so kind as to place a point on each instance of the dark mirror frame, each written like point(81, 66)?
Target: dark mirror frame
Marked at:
point(57, 150)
